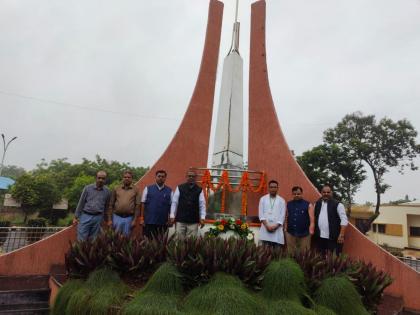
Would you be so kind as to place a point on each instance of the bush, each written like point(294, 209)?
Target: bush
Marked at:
point(224, 294)
point(53, 215)
point(160, 295)
point(134, 258)
point(199, 258)
point(67, 221)
point(3, 234)
point(322, 310)
point(102, 290)
point(64, 295)
point(283, 279)
point(38, 222)
point(287, 307)
point(340, 295)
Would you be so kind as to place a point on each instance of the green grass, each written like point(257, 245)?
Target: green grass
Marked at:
point(287, 307)
point(102, 290)
point(64, 295)
point(340, 295)
point(283, 280)
point(224, 294)
point(160, 296)
point(322, 310)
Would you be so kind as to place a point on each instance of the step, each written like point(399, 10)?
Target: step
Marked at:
point(16, 297)
point(20, 307)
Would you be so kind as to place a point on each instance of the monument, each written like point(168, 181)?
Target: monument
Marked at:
point(231, 189)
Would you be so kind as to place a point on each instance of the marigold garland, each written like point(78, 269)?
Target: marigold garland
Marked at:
point(224, 184)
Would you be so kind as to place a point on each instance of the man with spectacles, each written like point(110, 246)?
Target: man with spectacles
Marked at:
point(188, 207)
point(272, 211)
point(300, 221)
point(91, 208)
point(156, 205)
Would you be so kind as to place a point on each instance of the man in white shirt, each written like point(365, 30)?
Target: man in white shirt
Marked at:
point(188, 207)
point(271, 212)
point(330, 222)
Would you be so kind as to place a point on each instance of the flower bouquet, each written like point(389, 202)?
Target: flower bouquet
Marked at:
point(231, 226)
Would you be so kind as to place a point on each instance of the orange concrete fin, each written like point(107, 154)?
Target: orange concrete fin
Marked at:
point(189, 147)
point(267, 147)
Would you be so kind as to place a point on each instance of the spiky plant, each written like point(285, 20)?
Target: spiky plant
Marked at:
point(288, 307)
point(160, 295)
point(283, 279)
point(224, 294)
point(340, 295)
point(64, 295)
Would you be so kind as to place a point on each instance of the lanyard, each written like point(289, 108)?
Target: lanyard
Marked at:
point(272, 203)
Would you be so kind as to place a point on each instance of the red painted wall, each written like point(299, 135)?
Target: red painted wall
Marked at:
point(37, 258)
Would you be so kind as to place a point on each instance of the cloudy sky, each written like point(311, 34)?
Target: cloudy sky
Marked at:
point(79, 78)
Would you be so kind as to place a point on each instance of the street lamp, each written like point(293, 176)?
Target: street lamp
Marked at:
point(5, 146)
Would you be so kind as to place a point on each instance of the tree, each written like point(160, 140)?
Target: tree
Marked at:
point(331, 164)
point(35, 192)
point(381, 145)
point(73, 192)
point(12, 171)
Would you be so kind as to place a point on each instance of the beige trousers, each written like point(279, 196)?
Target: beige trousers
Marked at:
point(294, 242)
point(186, 229)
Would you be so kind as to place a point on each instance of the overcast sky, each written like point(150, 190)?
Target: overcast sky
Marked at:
point(79, 78)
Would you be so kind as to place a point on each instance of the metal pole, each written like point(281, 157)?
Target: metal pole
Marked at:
point(5, 146)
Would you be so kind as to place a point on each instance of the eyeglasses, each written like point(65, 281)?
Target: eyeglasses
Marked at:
point(273, 187)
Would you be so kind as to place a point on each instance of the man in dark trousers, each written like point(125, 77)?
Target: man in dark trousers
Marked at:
point(156, 205)
point(188, 208)
point(330, 222)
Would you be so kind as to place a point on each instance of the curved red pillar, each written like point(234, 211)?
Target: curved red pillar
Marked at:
point(189, 147)
point(267, 148)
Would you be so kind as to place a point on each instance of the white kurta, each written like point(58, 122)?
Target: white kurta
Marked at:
point(273, 211)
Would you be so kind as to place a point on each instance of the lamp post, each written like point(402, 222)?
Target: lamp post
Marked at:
point(5, 146)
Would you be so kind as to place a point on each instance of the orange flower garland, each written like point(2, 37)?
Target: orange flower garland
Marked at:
point(224, 184)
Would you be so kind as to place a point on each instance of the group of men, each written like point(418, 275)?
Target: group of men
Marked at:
point(299, 221)
point(158, 205)
point(294, 223)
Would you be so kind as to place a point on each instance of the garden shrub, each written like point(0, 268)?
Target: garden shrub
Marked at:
point(102, 290)
point(322, 310)
point(224, 294)
point(340, 295)
point(64, 295)
point(288, 307)
point(160, 295)
point(283, 279)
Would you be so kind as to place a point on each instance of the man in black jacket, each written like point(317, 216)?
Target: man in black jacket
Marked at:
point(330, 222)
point(188, 207)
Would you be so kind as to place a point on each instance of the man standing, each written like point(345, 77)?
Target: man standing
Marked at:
point(331, 222)
point(188, 207)
point(300, 221)
point(124, 207)
point(91, 208)
point(272, 211)
point(156, 205)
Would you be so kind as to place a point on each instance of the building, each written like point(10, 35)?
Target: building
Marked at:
point(396, 227)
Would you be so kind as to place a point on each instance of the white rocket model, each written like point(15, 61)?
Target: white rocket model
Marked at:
point(228, 144)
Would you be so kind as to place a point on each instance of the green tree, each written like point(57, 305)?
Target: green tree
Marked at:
point(73, 192)
point(382, 145)
point(331, 164)
point(35, 192)
point(12, 171)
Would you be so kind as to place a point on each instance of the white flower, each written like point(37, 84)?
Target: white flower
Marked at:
point(232, 227)
point(250, 236)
